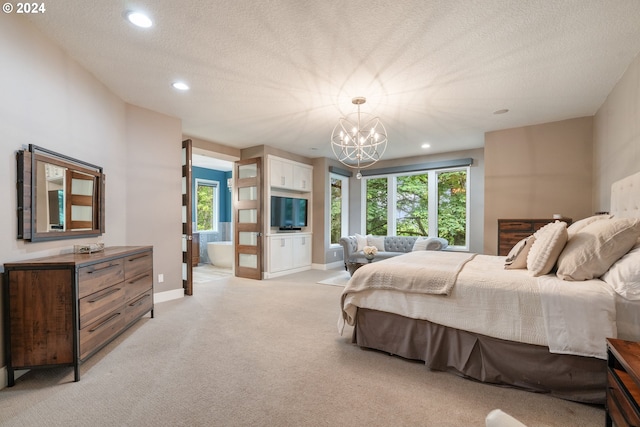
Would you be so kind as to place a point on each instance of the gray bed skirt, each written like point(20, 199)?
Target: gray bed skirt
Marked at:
point(482, 358)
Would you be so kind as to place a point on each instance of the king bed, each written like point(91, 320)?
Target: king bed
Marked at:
point(537, 319)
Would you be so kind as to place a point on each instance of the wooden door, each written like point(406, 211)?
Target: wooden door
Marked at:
point(247, 218)
point(80, 212)
point(187, 215)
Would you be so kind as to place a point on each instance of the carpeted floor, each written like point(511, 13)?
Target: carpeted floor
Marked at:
point(262, 353)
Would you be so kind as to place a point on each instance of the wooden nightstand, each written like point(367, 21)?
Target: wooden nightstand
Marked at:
point(623, 383)
point(511, 231)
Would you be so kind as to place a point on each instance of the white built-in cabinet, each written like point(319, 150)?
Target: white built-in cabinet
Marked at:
point(287, 252)
point(289, 175)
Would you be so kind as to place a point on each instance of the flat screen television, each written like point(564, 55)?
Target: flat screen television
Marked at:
point(288, 213)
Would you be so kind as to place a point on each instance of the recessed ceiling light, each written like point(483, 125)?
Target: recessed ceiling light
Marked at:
point(180, 86)
point(139, 19)
point(425, 145)
point(503, 111)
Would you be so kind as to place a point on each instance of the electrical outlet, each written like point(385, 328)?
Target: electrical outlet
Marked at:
point(160, 278)
point(335, 253)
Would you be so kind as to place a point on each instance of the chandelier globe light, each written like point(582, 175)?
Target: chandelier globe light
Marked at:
point(359, 140)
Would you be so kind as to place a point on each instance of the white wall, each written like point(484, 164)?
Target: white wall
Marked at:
point(617, 136)
point(48, 99)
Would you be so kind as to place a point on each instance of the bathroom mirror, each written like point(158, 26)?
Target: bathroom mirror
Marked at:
point(59, 197)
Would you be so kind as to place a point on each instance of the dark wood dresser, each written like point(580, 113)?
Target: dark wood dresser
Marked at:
point(62, 309)
point(623, 383)
point(511, 231)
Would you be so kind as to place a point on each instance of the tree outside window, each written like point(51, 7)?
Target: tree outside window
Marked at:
point(207, 205)
point(410, 196)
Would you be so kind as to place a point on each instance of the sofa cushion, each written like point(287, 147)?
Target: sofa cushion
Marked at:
point(361, 242)
point(377, 241)
point(429, 244)
point(399, 243)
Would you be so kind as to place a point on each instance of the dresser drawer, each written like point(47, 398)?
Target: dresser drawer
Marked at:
point(137, 264)
point(99, 304)
point(138, 306)
point(101, 331)
point(93, 278)
point(138, 285)
point(515, 226)
point(618, 404)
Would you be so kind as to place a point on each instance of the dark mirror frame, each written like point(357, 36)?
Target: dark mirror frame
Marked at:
point(27, 202)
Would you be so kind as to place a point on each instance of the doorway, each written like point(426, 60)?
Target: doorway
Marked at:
point(212, 216)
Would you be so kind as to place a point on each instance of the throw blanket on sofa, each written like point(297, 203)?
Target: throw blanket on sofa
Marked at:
point(407, 272)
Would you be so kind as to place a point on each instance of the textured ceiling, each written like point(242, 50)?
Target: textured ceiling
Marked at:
point(282, 72)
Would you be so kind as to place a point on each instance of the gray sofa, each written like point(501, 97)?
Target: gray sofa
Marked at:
point(393, 246)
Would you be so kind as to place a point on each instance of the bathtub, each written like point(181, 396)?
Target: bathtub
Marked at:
point(220, 254)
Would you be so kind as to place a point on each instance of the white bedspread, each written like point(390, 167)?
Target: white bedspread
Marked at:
point(578, 316)
point(506, 304)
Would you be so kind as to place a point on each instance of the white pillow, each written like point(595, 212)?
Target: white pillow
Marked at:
point(580, 224)
point(377, 241)
point(517, 257)
point(592, 250)
point(624, 274)
point(362, 242)
point(549, 242)
point(427, 244)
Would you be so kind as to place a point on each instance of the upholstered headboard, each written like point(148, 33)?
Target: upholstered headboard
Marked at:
point(625, 197)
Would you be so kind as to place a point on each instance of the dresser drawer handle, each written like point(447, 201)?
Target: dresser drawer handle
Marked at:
point(109, 319)
point(98, 298)
point(103, 268)
point(139, 300)
point(138, 279)
point(138, 257)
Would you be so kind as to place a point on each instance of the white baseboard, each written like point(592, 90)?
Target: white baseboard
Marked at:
point(159, 297)
point(330, 266)
point(4, 380)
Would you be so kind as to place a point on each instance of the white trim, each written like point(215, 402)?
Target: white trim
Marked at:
point(159, 297)
point(4, 376)
point(330, 266)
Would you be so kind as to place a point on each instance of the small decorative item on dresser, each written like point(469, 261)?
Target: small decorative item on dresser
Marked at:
point(88, 249)
point(369, 252)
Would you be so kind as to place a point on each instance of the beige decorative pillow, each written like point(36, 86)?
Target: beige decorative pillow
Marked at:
point(362, 241)
point(580, 224)
point(549, 242)
point(377, 241)
point(592, 250)
point(517, 257)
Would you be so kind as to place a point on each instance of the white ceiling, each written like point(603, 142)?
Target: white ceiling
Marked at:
point(282, 72)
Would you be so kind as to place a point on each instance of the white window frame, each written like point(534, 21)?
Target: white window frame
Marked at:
point(433, 201)
point(344, 219)
point(216, 200)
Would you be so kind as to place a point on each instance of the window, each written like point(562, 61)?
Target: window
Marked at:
point(339, 207)
point(207, 205)
point(425, 203)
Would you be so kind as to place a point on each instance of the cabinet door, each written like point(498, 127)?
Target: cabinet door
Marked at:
point(280, 253)
point(281, 174)
point(301, 251)
point(301, 178)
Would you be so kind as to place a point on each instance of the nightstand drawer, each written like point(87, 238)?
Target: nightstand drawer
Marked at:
point(620, 408)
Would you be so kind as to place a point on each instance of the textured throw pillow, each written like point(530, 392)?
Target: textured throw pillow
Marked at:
point(517, 257)
point(362, 242)
point(624, 274)
point(579, 225)
point(592, 250)
point(549, 242)
point(377, 241)
point(428, 244)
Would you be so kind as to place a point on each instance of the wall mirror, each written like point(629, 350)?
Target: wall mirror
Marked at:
point(59, 197)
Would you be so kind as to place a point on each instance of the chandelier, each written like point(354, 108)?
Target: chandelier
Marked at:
point(356, 142)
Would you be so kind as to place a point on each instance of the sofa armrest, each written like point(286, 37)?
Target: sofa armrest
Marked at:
point(349, 247)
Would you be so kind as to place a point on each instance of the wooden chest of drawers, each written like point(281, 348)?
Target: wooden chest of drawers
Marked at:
point(511, 231)
point(60, 310)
